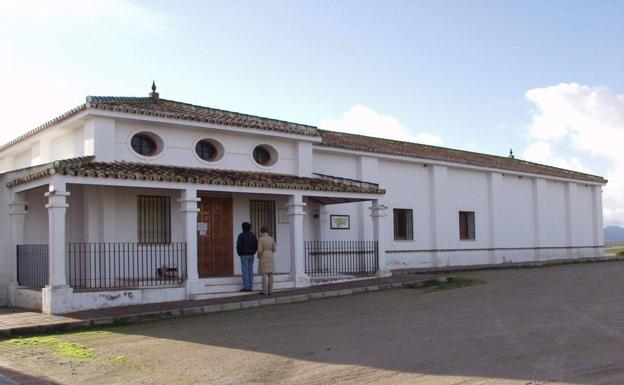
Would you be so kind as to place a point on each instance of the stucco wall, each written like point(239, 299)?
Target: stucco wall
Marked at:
point(179, 148)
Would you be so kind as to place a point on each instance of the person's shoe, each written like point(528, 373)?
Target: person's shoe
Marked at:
point(244, 290)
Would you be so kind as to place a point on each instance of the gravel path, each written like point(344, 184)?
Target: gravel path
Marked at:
point(562, 324)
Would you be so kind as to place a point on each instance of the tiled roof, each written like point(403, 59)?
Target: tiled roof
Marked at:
point(183, 111)
point(421, 151)
point(164, 108)
point(177, 110)
point(86, 167)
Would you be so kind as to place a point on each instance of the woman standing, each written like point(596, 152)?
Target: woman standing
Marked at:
point(266, 248)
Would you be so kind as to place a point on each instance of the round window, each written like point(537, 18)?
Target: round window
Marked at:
point(262, 156)
point(206, 150)
point(144, 144)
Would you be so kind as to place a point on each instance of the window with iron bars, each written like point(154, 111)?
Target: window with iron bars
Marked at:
point(154, 219)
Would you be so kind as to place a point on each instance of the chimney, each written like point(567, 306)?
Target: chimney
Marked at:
point(154, 95)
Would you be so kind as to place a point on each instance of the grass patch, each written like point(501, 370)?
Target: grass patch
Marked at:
point(118, 359)
point(450, 283)
point(60, 347)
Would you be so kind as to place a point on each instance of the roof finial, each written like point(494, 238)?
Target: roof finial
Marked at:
point(154, 95)
point(511, 155)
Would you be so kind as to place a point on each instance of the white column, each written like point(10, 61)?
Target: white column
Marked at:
point(304, 158)
point(539, 207)
point(323, 223)
point(18, 208)
point(440, 227)
point(570, 206)
point(57, 295)
point(188, 207)
point(495, 209)
point(368, 171)
point(378, 213)
point(99, 138)
point(597, 219)
point(597, 216)
point(295, 214)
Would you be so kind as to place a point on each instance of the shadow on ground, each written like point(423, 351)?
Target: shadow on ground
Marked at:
point(562, 323)
point(554, 324)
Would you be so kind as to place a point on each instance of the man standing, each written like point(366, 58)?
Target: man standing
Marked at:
point(246, 247)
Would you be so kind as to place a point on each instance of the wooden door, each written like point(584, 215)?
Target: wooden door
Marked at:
point(214, 237)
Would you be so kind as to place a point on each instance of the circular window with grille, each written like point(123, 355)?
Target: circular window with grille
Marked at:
point(265, 155)
point(208, 150)
point(146, 144)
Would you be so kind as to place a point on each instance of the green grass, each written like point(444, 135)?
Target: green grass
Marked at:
point(451, 283)
point(59, 347)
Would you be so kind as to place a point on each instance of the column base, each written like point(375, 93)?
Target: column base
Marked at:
point(383, 273)
point(11, 292)
point(193, 286)
point(57, 299)
point(302, 281)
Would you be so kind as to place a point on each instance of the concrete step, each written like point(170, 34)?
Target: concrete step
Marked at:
point(236, 279)
point(230, 294)
point(233, 289)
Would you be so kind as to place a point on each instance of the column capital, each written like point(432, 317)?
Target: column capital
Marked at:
point(378, 210)
point(296, 208)
point(18, 208)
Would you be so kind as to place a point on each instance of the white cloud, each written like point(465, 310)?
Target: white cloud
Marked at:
point(591, 120)
point(363, 120)
point(542, 152)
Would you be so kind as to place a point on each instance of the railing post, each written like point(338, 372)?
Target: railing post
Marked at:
point(56, 297)
point(378, 213)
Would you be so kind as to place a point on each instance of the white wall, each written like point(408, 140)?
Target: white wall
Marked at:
point(512, 225)
point(179, 148)
point(516, 218)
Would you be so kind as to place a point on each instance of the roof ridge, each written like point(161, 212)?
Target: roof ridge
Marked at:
point(91, 98)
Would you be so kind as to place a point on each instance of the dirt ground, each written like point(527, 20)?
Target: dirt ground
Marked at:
point(562, 324)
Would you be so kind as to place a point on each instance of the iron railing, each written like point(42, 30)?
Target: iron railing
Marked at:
point(340, 258)
point(125, 264)
point(32, 266)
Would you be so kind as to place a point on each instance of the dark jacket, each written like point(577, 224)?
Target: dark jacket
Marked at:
point(247, 243)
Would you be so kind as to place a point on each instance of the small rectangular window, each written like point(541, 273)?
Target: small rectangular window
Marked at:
point(403, 225)
point(154, 219)
point(466, 225)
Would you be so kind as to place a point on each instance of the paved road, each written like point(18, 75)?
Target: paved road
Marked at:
point(561, 324)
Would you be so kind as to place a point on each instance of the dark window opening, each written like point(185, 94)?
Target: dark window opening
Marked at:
point(154, 219)
point(143, 145)
point(262, 156)
point(403, 225)
point(206, 150)
point(466, 225)
point(262, 213)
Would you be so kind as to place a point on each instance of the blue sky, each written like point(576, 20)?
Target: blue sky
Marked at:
point(541, 77)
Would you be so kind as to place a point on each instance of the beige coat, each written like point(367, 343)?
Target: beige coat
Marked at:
point(266, 248)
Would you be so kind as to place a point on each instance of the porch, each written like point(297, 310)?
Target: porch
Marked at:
point(88, 242)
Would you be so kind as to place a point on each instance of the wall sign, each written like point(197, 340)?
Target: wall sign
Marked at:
point(339, 222)
point(202, 226)
point(282, 215)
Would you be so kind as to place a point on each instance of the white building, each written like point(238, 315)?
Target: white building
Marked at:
point(138, 200)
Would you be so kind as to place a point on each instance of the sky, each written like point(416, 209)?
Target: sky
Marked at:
point(541, 77)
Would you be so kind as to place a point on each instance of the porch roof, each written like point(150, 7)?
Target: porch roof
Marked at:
point(87, 167)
